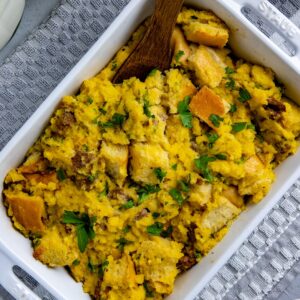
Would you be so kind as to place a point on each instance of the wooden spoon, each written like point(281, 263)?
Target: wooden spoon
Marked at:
point(154, 50)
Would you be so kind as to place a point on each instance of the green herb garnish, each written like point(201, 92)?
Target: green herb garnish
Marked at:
point(201, 163)
point(233, 108)
point(237, 127)
point(155, 215)
point(146, 109)
point(84, 227)
point(212, 138)
point(116, 120)
point(221, 156)
point(244, 95)
point(144, 191)
point(174, 167)
point(159, 173)
point(155, 229)
point(105, 190)
point(229, 71)
point(114, 65)
point(128, 204)
point(152, 72)
point(149, 292)
point(76, 262)
point(184, 186)
point(184, 112)
point(61, 174)
point(178, 55)
point(215, 119)
point(230, 84)
point(177, 196)
point(90, 100)
point(166, 233)
point(102, 268)
point(122, 242)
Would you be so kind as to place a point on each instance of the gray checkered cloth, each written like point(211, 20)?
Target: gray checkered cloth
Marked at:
point(266, 262)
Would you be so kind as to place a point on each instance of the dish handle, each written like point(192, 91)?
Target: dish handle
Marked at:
point(11, 283)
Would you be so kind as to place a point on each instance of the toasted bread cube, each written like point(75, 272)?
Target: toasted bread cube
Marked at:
point(27, 211)
point(206, 103)
point(180, 46)
point(200, 195)
point(208, 67)
point(204, 27)
point(145, 158)
point(253, 165)
point(213, 219)
point(116, 159)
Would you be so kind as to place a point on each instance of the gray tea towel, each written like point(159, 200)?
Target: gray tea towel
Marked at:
point(267, 262)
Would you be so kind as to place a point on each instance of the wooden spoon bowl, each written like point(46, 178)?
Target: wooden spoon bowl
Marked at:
point(154, 49)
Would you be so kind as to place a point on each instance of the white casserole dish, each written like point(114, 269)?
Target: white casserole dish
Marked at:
point(248, 42)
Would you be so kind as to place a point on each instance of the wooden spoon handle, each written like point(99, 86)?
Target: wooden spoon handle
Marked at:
point(153, 51)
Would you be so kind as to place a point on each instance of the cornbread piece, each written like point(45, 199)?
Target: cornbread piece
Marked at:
point(55, 250)
point(178, 87)
point(116, 159)
point(120, 273)
point(207, 66)
point(181, 48)
point(200, 195)
point(27, 211)
point(204, 27)
point(145, 158)
point(206, 103)
point(157, 260)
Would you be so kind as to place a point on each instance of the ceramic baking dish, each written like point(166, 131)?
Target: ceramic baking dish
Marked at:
point(247, 41)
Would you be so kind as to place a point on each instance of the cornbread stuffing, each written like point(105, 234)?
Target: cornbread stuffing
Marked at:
point(131, 184)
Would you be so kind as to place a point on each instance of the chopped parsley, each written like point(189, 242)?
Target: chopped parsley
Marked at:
point(128, 204)
point(184, 112)
point(126, 228)
point(233, 108)
point(114, 65)
point(178, 55)
point(237, 127)
point(122, 242)
point(105, 190)
point(176, 195)
point(102, 111)
point(174, 167)
point(61, 175)
point(166, 233)
point(146, 109)
point(144, 191)
point(149, 292)
point(201, 163)
point(85, 147)
point(221, 156)
point(244, 95)
point(229, 71)
point(155, 229)
point(152, 72)
point(102, 268)
point(212, 138)
point(90, 100)
point(116, 120)
point(84, 227)
point(155, 215)
point(184, 186)
point(230, 84)
point(160, 174)
point(76, 262)
point(215, 119)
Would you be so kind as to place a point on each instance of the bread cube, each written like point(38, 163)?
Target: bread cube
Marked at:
point(180, 46)
point(116, 159)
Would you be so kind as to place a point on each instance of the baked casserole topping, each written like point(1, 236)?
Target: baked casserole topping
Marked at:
point(131, 184)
